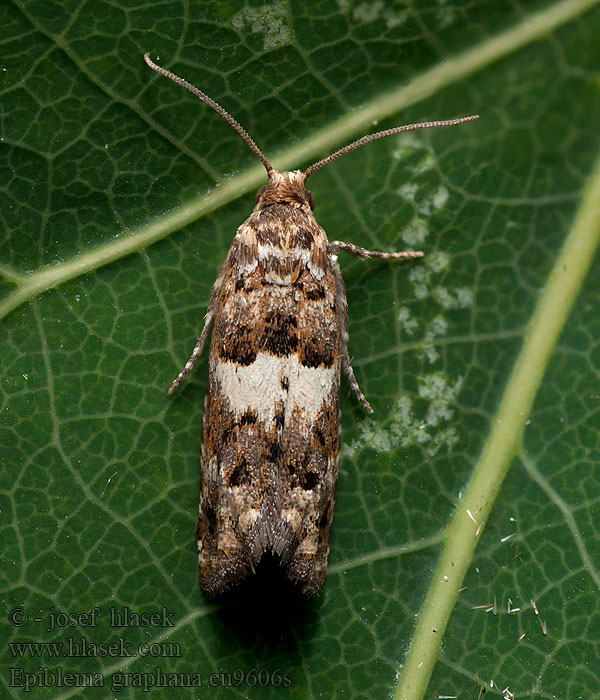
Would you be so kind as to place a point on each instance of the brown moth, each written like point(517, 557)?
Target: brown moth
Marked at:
point(271, 429)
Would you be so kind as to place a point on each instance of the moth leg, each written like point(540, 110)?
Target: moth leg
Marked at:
point(343, 315)
point(358, 252)
point(208, 321)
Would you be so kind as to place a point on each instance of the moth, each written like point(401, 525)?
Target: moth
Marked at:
point(271, 426)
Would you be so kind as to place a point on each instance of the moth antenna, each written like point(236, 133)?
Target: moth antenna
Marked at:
point(380, 135)
point(217, 107)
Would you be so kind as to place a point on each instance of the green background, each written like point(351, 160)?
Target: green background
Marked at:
point(119, 196)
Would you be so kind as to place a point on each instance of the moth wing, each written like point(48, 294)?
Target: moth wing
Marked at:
point(309, 469)
point(271, 421)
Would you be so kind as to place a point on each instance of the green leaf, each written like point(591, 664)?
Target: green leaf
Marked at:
point(465, 544)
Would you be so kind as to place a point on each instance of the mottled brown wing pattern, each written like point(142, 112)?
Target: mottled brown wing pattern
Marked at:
point(271, 420)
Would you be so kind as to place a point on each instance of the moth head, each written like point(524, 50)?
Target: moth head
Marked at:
point(289, 187)
point(285, 188)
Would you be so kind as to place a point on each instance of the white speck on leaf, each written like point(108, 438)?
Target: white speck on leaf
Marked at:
point(408, 191)
point(415, 232)
point(407, 323)
point(372, 11)
point(431, 354)
point(461, 299)
point(268, 20)
point(406, 146)
point(405, 428)
point(420, 277)
point(426, 163)
point(434, 202)
point(438, 261)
